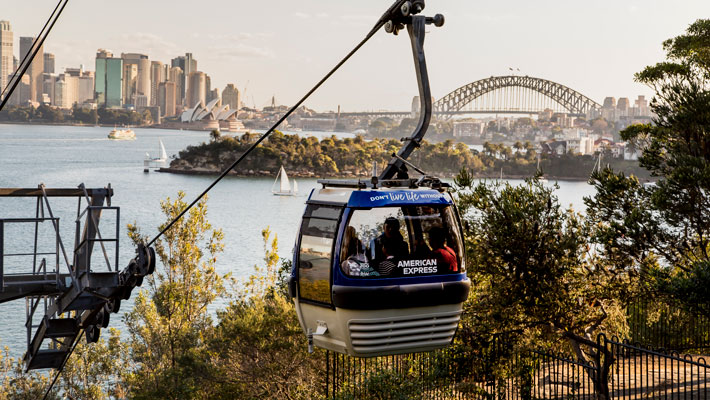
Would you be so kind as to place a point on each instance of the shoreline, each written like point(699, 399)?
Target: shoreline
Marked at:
point(295, 174)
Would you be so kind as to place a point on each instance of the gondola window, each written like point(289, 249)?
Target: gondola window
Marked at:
point(317, 237)
point(401, 241)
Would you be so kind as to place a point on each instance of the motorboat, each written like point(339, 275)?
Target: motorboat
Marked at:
point(122, 134)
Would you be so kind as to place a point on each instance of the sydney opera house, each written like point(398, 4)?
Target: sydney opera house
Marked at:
point(212, 116)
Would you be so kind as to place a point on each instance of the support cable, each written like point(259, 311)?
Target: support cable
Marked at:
point(382, 21)
point(29, 57)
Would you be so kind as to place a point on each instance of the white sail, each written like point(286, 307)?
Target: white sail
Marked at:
point(295, 186)
point(163, 153)
point(285, 187)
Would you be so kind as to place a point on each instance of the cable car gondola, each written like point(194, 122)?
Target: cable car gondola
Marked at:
point(379, 265)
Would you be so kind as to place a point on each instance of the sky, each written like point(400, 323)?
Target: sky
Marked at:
point(282, 48)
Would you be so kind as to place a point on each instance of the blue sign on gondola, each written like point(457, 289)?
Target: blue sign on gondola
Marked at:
point(372, 198)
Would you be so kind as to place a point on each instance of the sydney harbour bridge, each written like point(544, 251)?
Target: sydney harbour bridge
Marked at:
point(510, 94)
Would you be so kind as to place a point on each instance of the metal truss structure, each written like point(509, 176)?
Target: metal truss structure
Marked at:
point(66, 289)
point(572, 101)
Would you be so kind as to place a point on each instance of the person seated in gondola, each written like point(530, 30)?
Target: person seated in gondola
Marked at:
point(391, 233)
point(354, 262)
point(445, 256)
point(388, 265)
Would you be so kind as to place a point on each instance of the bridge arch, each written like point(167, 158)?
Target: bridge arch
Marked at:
point(571, 100)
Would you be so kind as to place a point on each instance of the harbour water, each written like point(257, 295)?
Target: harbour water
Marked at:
point(65, 156)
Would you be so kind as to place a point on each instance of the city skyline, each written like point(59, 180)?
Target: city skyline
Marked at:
point(283, 51)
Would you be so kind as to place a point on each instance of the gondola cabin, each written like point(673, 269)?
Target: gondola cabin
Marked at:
point(379, 269)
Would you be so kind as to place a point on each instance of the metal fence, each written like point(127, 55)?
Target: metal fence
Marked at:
point(491, 371)
point(648, 373)
point(666, 326)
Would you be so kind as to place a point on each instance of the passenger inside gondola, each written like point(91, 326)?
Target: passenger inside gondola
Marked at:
point(391, 235)
point(388, 265)
point(445, 255)
point(354, 261)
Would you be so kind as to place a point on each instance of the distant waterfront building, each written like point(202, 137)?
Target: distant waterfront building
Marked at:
point(36, 69)
point(623, 106)
point(108, 87)
point(49, 84)
point(141, 85)
point(609, 102)
point(156, 77)
point(188, 65)
point(641, 107)
point(48, 63)
point(231, 96)
point(6, 53)
point(196, 89)
point(469, 128)
point(130, 83)
point(167, 98)
point(177, 76)
point(214, 94)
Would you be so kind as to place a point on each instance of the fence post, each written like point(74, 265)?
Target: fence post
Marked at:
point(604, 359)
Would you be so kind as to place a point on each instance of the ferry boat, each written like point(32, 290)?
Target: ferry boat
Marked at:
point(122, 134)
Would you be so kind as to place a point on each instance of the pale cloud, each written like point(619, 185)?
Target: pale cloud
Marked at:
point(239, 50)
point(302, 15)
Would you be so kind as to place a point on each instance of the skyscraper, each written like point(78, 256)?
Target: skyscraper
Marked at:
point(6, 56)
point(36, 69)
point(156, 77)
point(166, 98)
point(177, 76)
point(196, 93)
point(231, 96)
point(142, 81)
point(188, 66)
point(130, 83)
point(108, 82)
point(48, 63)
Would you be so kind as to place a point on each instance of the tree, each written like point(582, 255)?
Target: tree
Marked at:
point(665, 228)
point(259, 349)
point(215, 134)
point(170, 319)
point(536, 278)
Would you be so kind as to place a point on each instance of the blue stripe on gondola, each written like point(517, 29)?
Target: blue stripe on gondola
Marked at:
point(385, 198)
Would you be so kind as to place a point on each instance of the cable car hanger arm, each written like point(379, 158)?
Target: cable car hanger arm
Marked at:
point(416, 25)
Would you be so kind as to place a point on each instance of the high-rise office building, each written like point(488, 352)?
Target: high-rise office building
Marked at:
point(156, 77)
point(166, 98)
point(130, 82)
point(6, 54)
point(196, 93)
point(177, 76)
point(108, 81)
point(142, 79)
point(188, 65)
point(231, 96)
point(36, 69)
point(48, 63)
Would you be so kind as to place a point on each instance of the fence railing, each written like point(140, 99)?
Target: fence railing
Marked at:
point(491, 371)
point(663, 325)
point(647, 373)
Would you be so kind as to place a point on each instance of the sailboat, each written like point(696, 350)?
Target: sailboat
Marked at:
point(284, 185)
point(155, 162)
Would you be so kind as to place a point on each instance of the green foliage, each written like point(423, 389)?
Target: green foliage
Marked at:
point(355, 157)
point(535, 278)
point(15, 384)
point(169, 321)
point(97, 371)
point(665, 229)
